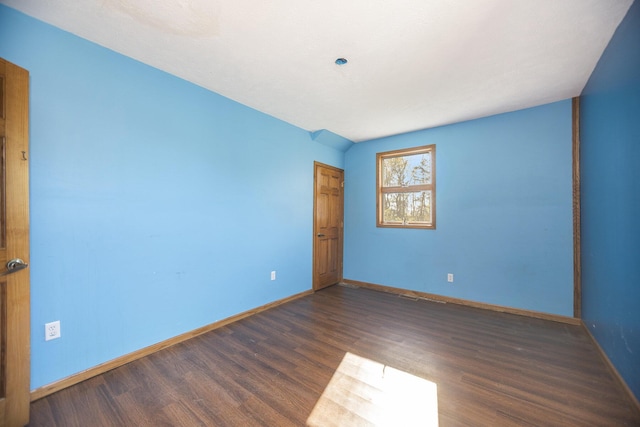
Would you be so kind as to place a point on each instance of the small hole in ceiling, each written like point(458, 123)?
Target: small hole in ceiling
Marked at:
point(341, 61)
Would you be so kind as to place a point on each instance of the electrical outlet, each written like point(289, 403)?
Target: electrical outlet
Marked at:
point(450, 277)
point(52, 330)
point(273, 275)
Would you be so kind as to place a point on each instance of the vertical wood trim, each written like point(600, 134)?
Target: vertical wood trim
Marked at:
point(3, 344)
point(577, 266)
point(3, 195)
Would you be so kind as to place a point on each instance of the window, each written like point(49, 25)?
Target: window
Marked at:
point(406, 188)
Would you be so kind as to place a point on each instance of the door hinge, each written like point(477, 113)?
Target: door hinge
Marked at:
point(342, 184)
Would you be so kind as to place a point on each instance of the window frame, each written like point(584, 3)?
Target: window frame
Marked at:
point(380, 190)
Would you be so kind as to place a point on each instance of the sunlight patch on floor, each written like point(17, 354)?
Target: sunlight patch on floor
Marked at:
point(363, 392)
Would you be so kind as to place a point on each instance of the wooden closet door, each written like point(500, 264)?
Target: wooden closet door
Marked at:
point(14, 246)
point(328, 226)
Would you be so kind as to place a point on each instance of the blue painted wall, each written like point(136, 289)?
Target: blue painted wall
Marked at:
point(610, 183)
point(504, 213)
point(156, 206)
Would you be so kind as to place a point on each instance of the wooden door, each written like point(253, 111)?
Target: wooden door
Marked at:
point(14, 244)
point(327, 225)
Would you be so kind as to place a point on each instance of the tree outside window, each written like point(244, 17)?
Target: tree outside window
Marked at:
point(406, 188)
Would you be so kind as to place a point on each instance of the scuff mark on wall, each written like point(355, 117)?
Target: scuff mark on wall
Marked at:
point(624, 339)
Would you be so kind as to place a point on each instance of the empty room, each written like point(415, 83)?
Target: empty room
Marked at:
point(341, 213)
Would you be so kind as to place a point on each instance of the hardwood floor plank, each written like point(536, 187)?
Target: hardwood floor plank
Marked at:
point(330, 358)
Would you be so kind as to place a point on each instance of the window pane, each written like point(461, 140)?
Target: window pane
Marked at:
point(394, 172)
point(406, 208)
point(420, 167)
point(407, 170)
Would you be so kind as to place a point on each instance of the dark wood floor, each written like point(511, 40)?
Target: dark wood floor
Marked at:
point(345, 356)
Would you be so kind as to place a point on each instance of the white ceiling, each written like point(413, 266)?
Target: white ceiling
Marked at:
point(413, 64)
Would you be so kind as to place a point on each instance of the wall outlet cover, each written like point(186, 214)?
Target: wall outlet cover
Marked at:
point(52, 330)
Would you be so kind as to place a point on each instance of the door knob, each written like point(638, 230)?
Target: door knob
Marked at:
point(320, 235)
point(14, 265)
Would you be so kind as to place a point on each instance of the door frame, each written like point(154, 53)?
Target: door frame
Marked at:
point(315, 275)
